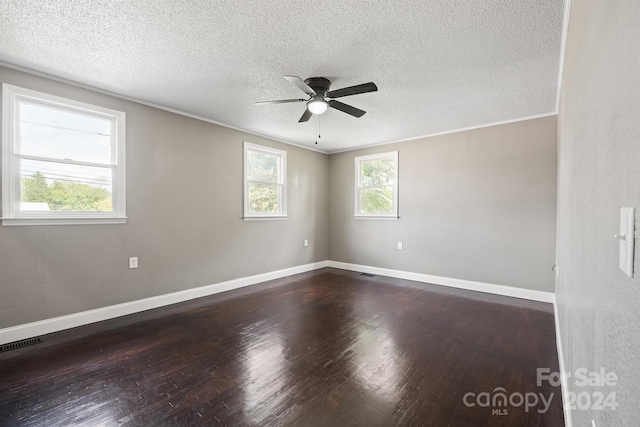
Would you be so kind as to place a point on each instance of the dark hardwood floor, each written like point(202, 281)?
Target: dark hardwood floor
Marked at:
point(325, 348)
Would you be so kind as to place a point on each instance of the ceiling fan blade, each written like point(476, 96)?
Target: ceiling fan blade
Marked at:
point(282, 101)
point(356, 112)
point(305, 116)
point(301, 84)
point(353, 90)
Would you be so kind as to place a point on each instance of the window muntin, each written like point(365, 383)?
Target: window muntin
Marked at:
point(376, 189)
point(63, 160)
point(265, 192)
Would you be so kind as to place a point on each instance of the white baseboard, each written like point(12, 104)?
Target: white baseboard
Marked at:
point(563, 372)
point(56, 324)
point(448, 281)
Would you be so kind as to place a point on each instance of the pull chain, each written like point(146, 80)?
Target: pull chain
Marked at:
point(318, 127)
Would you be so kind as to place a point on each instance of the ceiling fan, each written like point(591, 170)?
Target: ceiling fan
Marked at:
point(321, 98)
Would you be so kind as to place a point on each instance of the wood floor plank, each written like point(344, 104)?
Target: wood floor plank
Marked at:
point(325, 348)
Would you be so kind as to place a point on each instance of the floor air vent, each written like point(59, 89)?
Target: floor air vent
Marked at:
point(367, 274)
point(19, 344)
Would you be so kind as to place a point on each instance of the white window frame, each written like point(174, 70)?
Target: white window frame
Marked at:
point(359, 160)
point(11, 214)
point(282, 181)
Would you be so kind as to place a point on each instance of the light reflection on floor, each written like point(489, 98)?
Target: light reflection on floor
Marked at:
point(265, 371)
point(376, 358)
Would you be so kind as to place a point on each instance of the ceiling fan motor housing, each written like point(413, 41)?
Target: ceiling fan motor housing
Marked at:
point(319, 84)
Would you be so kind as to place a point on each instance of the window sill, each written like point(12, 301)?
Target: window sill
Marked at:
point(264, 218)
point(384, 218)
point(61, 221)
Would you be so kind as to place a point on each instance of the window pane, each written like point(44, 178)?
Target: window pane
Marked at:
point(262, 166)
point(377, 172)
point(264, 198)
point(62, 187)
point(376, 200)
point(51, 132)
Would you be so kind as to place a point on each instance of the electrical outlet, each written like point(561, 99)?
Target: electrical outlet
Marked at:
point(133, 262)
point(399, 245)
point(306, 242)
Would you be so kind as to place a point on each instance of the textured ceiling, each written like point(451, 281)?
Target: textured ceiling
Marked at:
point(440, 65)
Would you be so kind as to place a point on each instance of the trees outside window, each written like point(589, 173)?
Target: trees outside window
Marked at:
point(376, 189)
point(265, 192)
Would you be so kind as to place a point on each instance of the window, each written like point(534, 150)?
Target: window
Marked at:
point(63, 161)
point(265, 182)
point(377, 186)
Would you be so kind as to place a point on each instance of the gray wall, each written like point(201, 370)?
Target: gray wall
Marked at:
point(599, 172)
point(477, 205)
point(184, 203)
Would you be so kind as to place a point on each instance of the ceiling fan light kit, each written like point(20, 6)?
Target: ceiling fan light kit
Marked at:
point(317, 105)
point(320, 98)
